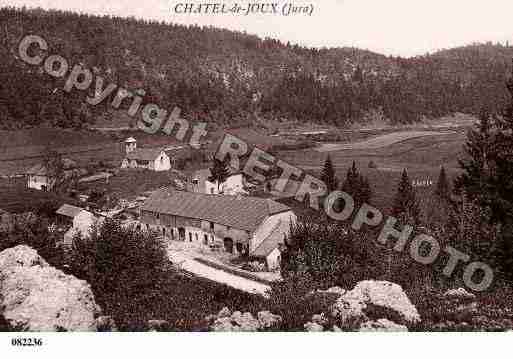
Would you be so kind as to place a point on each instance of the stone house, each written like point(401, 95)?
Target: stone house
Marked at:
point(243, 226)
point(153, 159)
point(79, 221)
point(38, 176)
point(233, 185)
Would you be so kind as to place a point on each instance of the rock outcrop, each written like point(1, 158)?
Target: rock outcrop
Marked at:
point(382, 325)
point(374, 300)
point(226, 321)
point(157, 325)
point(313, 327)
point(37, 297)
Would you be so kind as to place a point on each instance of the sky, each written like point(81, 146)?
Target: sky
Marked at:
point(392, 27)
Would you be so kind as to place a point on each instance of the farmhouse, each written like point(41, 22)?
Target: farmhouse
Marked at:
point(233, 185)
point(243, 226)
point(154, 159)
point(79, 220)
point(38, 176)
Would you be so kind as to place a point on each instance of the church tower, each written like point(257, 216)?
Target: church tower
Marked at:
point(130, 144)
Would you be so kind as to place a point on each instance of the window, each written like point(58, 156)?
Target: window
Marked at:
point(212, 190)
point(195, 181)
point(196, 235)
point(190, 237)
point(211, 226)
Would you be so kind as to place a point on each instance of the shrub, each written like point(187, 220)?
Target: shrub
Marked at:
point(134, 282)
point(118, 260)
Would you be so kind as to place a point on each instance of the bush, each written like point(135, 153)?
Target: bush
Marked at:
point(296, 302)
point(134, 282)
point(118, 260)
point(28, 229)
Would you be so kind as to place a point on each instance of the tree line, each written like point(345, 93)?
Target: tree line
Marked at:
point(226, 77)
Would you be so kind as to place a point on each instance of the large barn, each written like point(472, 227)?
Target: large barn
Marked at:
point(244, 226)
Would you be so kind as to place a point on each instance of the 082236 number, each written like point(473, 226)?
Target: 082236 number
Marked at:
point(26, 342)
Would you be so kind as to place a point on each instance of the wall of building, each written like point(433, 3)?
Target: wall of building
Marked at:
point(37, 182)
point(273, 260)
point(233, 185)
point(162, 163)
point(195, 229)
point(266, 228)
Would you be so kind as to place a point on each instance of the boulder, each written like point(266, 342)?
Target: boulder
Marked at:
point(459, 293)
point(106, 323)
point(37, 297)
point(226, 321)
point(382, 325)
point(223, 325)
point(246, 322)
point(268, 319)
point(313, 327)
point(157, 325)
point(374, 298)
point(225, 312)
point(320, 319)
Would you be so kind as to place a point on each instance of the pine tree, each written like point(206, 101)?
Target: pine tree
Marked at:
point(365, 192)
point(54, 165)
point(328, 175)
point(357, 186)
point(440, 208)
point(352, 181)
point(219, 172)
point(443, 190)
point(406, 208)
point(487, 176)
point(476, 170)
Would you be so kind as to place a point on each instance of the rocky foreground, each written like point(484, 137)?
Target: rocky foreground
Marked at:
point(37, 297)
point(379, 306)
point(34, 296)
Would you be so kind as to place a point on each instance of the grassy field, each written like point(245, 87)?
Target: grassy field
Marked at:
point(16, 198)
point(420, 156)
point(379, 141)
point(128, 184)
point(20, 150)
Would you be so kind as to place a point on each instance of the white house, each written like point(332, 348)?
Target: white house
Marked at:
point(38, 176)
point(82, 222)
point(154, 159)
point(233, 185)
point(243, 226)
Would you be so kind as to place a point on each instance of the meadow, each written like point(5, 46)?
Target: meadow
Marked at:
point(421, 156)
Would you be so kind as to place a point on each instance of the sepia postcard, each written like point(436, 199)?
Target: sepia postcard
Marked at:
point(300, 170)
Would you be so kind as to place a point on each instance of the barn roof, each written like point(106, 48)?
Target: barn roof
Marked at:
point(245, 213)
point(144, 154)
point(272, 241)
point(69, 210)
point(39, 170)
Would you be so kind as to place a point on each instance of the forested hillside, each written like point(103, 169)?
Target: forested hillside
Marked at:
point(228, 78)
